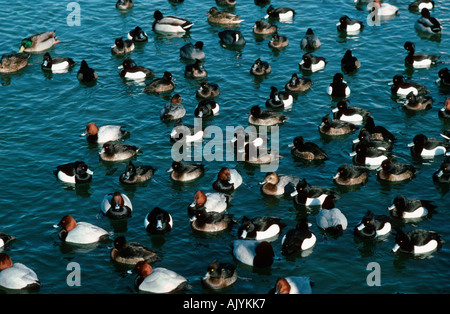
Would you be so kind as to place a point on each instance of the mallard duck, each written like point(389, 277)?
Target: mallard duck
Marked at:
point(170, 23)
point(428, 24)
point(38, 42)
point(222, 17)
point(13, 62)
point(56, 64)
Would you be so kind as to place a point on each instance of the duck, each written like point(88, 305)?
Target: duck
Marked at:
point(17, 276)
point(292, 285)
point(6, 239)
point(158, 221)
point(206, 108)
point(260, 68)
point(298, 239)
point(13, 62)
point(170, 23)
point(338, 88)
point(193, 51)
point(309, 195)
point(211, 202)
point(353, 114)
point(428, 24)
point(418, 60)
point(195, 70)
point(279, 99)
point(256, 155)
point(228, 180)
point(112, 151)
point(215, 16)
point(173, 110)
point(231, 38)
point(442, 175)
point(278, 42)
point(368, 156)
point(56, 64)
point(417, 241)
point(86, 74)
point(207, 90)
point(137, 35)
point(219, 275)
point(226, 3)
point(281, 13)
point(38, 42)
point(349, 63)
point(135, 174)
point(418, 5)
point(80, 232)
point(116, 206)
point(428, 147)
point(131, 70)
point(181, 171)
point(278, 184)
point(331, 219)
point(122, 46)
point(307, 150)
point(264, 28)
point(366, 137)
point(298, 84)
point(444, 77)
point(104, 133)
point(349, 25)
point(130, 253)
point(186, 133)
point(210, 221)
point(242, 137)
point(382, 9)
point(253, 253)
point(158, 280)
point(418, 102)
point(410, 208)
point(74, 172)
point(378, 132)
point(312, 63)
point(444, 112)
point(336, 127)
point(310, 42)
point(163, 84)
point(373, 226)
point(348, 175)
point(124, 4)
point(401, 88)
point(394, 171)
point(260, 228)
point(265, 117)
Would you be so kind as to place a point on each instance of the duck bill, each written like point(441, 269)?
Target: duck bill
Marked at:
point(360, 227)
point(355, 141)
point(392, 207)
point(395, 248)
point(294, 193)
point(352, 154)
point(336, 176)
point(169, 170)
point(410, 145)
point(22, 48)
point(89, 171)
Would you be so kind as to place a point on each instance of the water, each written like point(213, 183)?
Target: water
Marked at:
point(43, 116)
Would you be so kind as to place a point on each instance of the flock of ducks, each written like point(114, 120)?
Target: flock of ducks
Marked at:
point(208, 211)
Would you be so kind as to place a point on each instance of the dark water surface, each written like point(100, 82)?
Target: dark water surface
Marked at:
point(43, 116)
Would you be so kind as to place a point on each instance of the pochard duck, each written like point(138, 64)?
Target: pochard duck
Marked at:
point(116, 205)
point(158, 279)
point(228, 180)
point(80, 232)
point(104, 133)
point(278, 184)
point(292, 285)
point(17, 276)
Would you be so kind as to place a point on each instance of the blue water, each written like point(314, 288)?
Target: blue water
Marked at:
point(43, 116)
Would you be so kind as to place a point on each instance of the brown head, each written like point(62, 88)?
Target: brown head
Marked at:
point(224, 174)
point(199, 199)
point(91, 128)
point(143, 269)
point(68, 223)
point(282, 286)
point(5, 261)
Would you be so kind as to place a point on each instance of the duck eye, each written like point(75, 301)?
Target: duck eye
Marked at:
point(211, 270)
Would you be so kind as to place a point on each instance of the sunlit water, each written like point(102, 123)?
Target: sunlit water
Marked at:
point(43, 116)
